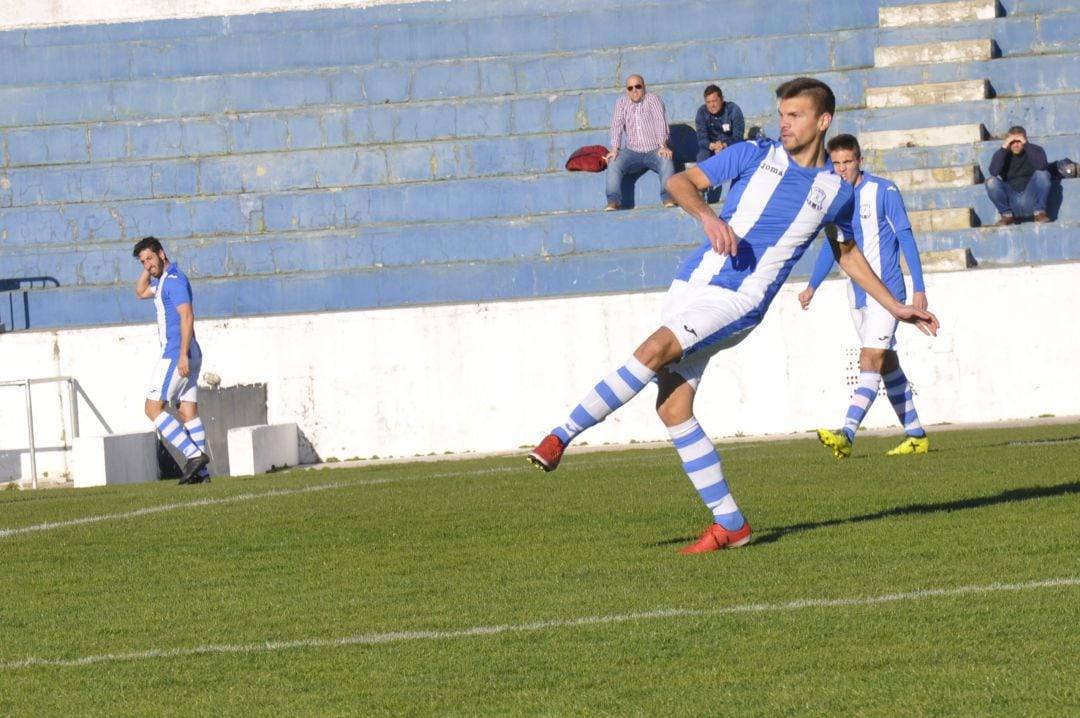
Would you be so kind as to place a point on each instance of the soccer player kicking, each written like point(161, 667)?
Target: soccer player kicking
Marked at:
point(882, 231)
point(782, 193)
point(175, 377)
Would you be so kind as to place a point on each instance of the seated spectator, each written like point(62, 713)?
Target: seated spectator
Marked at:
point(1019, 181)
point(641, 120)
point(719, 124)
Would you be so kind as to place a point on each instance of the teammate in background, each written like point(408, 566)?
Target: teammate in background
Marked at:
point(782, 194)
point(882, 231)
point(176, 375)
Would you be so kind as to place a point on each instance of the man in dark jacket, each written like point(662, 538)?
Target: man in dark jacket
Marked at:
point(718, 124)
point(1019, 180)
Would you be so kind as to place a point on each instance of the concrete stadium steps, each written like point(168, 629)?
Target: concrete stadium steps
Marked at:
point(997, 246)
point(1029, 33)
point(648, 270)
point(90, 130)
point(596, 74)
point(937, 220)
point(909, 158)
point(936, 13)
point(1042, 112)
point(356, 207)
point(928, 94)
point(355, 39)
point(1008, 76)
point(372, 248)
point(275, 171)
point(1064, 201)
point(341, 159)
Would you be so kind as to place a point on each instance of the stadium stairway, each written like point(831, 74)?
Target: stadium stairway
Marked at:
point(338, 159)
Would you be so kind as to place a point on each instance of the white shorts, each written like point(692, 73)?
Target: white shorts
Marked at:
point(167, 385)
point(875, 326)
point(705, 319)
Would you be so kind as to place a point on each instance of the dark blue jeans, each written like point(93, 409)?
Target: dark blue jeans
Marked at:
point(628, 161)
point(1020, 204)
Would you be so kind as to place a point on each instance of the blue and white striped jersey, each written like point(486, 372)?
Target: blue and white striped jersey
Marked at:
point(882, 231)
point(776, 208)
point(171, 290)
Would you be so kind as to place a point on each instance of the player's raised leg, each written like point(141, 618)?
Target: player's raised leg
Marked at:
point(612, 392)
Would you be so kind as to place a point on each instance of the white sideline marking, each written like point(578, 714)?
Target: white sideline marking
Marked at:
point(374, 639)
point(52, 525)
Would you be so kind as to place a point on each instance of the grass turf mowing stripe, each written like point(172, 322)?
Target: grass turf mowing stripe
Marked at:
point(273, 493)
point(372, 639)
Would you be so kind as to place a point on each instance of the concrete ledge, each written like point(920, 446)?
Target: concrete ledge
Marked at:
point(258, 449)
point(945, 260)
point(922, 137)
point(933, 220)
point(937, 53)
point(935, 177)
point(937, 13)
point(929, 94)
point(114, 459)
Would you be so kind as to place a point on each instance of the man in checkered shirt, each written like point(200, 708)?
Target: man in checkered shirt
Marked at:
point(641, 121)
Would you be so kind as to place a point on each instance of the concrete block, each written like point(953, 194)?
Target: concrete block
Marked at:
point(446, 79)
point(935, 53)
point(175, 178)
point(387, 84)
point(937, 13)
point(109, 141)
point(258, 132)
point(273, 91)
point(944, 260)
point(258, 449)
point(933, 220)
point(114, 459)
point(47, 145)
point(922, 137)
point(929, 94)
point(935, 177)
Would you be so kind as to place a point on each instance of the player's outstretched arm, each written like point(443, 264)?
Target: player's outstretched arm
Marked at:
point(686, 188)
point(853, 262)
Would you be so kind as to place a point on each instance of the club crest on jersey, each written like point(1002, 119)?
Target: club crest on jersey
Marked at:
point(864, 210)
point(816, 198)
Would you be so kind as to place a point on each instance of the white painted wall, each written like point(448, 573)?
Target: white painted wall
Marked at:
point(497, 377)
point(37, 13)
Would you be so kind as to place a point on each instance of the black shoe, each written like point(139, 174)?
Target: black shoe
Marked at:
point(192, 467)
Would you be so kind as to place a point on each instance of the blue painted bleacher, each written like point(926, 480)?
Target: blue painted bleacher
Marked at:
point(339, 159)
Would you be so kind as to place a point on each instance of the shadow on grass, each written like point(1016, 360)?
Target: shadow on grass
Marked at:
point(1005, 497)
point(772, 535)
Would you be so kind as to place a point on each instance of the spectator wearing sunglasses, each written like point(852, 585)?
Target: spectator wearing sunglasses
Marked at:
point(639, 141)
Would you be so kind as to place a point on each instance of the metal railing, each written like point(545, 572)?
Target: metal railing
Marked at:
point(72, 409)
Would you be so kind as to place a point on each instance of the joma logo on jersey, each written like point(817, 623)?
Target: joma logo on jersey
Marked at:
point(771, 168)
point(864, 210)
point(816, 198)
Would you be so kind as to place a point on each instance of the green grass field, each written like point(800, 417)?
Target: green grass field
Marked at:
point(946, 584)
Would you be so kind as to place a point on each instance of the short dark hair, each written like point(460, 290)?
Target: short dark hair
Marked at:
point(821, 93)
point(845, 142)
point(714, 90)
point(1017, 130)
point(151, 243)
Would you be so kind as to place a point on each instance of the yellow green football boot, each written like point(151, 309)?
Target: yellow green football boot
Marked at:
point(835, 440)
point(911, 445)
